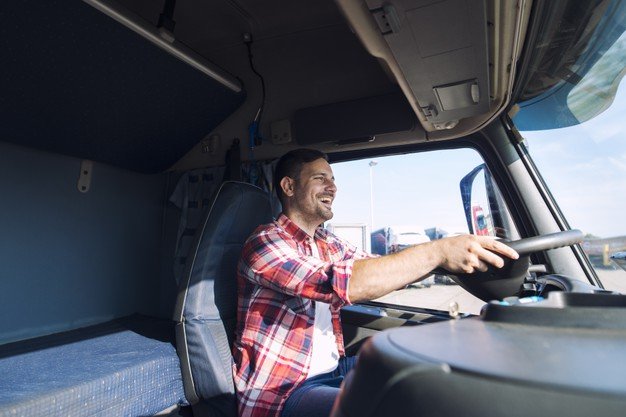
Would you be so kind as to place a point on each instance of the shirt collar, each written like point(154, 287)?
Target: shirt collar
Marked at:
point(295, 231)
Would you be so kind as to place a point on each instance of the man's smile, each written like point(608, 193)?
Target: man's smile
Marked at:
point(327, 201)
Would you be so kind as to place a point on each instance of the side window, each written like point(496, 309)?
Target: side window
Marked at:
point(387, 204)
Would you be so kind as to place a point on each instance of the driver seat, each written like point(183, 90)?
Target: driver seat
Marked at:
point(206, 306)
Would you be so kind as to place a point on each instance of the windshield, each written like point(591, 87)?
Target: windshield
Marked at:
point(576, 134)
point(575, 65)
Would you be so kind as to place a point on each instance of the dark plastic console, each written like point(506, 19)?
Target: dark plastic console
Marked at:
point(562, 356)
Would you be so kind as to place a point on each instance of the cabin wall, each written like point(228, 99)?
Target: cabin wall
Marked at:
point(70, 259)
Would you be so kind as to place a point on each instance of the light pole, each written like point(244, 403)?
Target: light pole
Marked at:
point(372, 164)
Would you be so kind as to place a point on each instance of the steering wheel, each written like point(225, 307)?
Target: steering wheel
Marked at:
point(498, 283)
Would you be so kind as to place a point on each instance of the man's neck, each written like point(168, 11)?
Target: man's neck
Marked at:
point(308, 226)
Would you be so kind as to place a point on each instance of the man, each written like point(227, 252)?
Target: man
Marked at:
point(294, 276)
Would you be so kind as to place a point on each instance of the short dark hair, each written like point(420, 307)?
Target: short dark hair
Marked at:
point(290, 165)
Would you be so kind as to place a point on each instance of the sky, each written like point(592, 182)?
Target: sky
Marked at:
point(584, 167)
point(405, 192)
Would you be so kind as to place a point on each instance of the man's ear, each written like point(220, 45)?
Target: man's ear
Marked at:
point(288, 186)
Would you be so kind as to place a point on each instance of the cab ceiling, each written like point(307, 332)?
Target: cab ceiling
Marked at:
point(308, 56)
point(451, 63)
point(322, 62)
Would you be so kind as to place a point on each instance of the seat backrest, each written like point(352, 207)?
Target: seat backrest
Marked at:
point(206, 306)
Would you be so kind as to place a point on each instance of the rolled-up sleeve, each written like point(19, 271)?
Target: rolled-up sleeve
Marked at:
point(271, 259)
point(344, 268)
point(342, 272)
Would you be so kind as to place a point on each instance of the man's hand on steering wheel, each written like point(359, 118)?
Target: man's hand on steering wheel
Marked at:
point(468, 253)
point(491, 269)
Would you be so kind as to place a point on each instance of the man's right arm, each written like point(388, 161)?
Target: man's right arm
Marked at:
point(374, 278)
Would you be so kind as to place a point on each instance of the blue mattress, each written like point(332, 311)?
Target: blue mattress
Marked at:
point(127, 367)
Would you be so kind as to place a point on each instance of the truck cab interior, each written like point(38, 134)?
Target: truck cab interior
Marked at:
point(136, 152)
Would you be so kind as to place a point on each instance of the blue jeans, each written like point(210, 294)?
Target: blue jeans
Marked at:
point(315, 397)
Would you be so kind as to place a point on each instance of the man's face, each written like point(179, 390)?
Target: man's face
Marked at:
point(314, 192)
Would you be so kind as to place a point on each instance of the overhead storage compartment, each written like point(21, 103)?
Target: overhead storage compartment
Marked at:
point(79, 83)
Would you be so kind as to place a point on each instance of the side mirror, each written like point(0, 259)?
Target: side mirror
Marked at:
point(474, 213)
point(485, 210)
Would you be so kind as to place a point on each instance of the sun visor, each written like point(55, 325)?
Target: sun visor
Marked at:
point(354, 121)
point(441, 48)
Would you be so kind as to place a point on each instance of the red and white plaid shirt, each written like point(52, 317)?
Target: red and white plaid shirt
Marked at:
point(278, 278)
